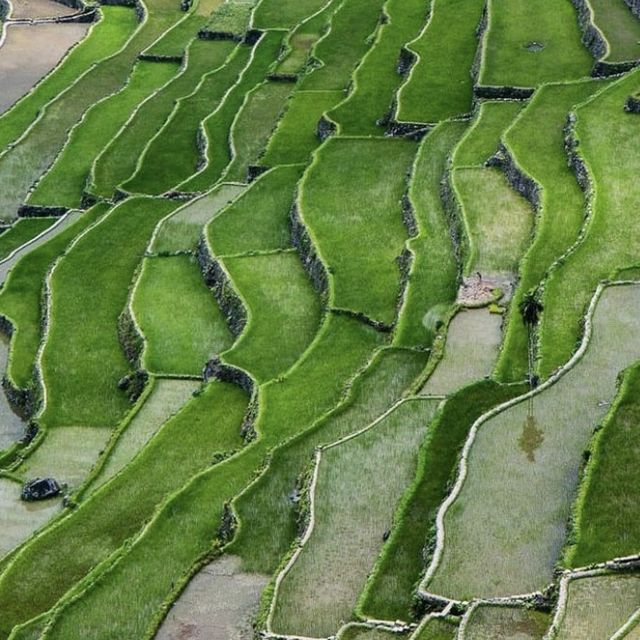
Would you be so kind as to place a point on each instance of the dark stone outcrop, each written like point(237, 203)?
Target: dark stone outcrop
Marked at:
point(40, 489)
point(38, 211)
point(325, 128)
point(212, 34)
point(502, 93)
point(632, 104)
point(254, 171)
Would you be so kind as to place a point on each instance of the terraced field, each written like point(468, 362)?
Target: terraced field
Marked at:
point(320, 319)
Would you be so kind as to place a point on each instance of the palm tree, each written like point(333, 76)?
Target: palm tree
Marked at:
point(530, 309)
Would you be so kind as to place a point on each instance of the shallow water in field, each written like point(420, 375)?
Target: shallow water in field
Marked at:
point(505, 530)
point(473, 340)
point(29, 52)
point(217, 605)
point(598, 606)
point(18, 520)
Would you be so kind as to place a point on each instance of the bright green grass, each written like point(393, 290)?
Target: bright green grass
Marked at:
point(166, 397)
point(182, 231)
point(437, 629)
point(254, 125)
point(21, 297)
point(620, 27)
point(303, 38)
point(432, 285)
point(316, 384)
point(218, 125)
point(439, 85)
point(524, 466)
point(24, 163)
point(607, 524)
point(499, 622)
point(115, 27)
point(284, 313)
point(179, 318)
point(208, 424)
point(536, 140)
point(266, 508)
point(353, 507)
point(598, 606)
point(295, 137)
point(64, 183)
point(498, 220)
point(231, 18)
point(118, 161)
point(176, 41)
point(22, 231)
point(173, 154)
point(348, 39)
point(376, 79)
point(274, 14)
point(606, 136)
point(66, 454)
point(513, 24)
point(390, 593)
point(350, 200)
point(259, 219)
point(481, 142)
point(82, 359)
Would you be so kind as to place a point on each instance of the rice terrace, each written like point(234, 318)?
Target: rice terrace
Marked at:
point(320, 319)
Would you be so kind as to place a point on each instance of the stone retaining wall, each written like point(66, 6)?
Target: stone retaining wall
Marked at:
point(519, 181)
point(224, 372)
point(591, 36)
point(634, 6)
point(38, 211)
point(218, 281)
point(575, 160)
point(310, 260)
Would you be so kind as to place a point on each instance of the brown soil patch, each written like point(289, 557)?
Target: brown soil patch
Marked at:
point(478, 289)
point(34, 9)
point(30, 52)
point(218, 604)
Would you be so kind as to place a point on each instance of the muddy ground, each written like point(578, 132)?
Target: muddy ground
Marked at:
point(29, 52)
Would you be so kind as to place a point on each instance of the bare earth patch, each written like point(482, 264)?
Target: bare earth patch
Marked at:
point(29, 52)
point(34, 9)
point(218, 604)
